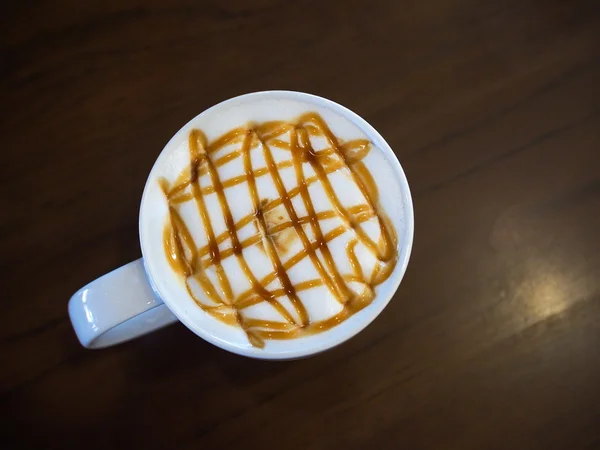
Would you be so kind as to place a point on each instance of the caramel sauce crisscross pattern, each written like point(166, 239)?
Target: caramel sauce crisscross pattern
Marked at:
point(192, 262)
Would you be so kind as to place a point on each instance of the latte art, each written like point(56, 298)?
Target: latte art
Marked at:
point(276, 228)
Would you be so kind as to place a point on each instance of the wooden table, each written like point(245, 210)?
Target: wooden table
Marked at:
point(493, 108)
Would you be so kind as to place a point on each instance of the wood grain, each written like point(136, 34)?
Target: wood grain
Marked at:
point(493, 108)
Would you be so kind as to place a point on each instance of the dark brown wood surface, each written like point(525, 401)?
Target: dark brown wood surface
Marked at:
point(493, 108)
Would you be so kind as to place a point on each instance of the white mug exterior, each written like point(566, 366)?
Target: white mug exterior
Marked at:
point(128, 302)
point(117, 307)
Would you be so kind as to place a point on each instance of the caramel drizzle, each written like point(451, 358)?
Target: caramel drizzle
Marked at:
point(191, 262)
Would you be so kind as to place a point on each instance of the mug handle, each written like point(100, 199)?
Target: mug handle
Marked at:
point(117, 307)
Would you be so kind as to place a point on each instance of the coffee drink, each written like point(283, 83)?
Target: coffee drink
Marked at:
point(276, 226)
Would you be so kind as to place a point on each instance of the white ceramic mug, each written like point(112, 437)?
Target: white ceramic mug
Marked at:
point(145, 295)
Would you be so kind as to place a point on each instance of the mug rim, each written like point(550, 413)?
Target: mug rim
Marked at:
point(371, 312)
